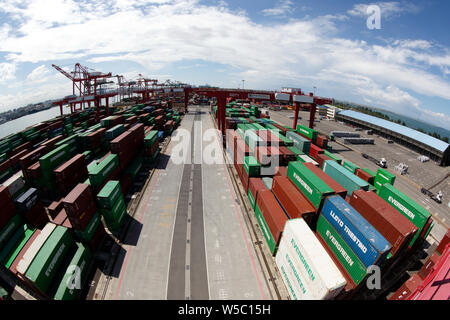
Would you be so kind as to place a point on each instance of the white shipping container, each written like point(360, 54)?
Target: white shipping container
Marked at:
point(309, 159)
point(33, 250)
point(311, 260)
point(294, 281)
point(304, 99)
point(15, 183)
point(282, 96)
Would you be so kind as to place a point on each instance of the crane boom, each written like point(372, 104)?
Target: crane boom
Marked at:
point(62, 71)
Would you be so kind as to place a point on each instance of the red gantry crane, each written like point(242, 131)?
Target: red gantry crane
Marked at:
point(86, 88)
point(295, 96)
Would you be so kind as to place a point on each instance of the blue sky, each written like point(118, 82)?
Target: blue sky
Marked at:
point(403, 67)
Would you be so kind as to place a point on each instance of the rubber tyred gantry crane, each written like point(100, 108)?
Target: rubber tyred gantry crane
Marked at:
point(297, 97)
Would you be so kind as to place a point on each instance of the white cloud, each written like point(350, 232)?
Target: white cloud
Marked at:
point(282, 8)
point(7, 72)
point(388, 9)
point(38, 75)
point(159, 33)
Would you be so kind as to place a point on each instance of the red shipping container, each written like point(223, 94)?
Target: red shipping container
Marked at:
point(314, 151)
point(37, 216)
point(27, 160)
point(98, 238)
point(287, 155)
point(283, 129)
point(23, 146)
point(396, 228)
point(321, 158)
point(427, 267)
point(80, 206)
point(441, 247)
point(281, 171)
point(256, 185)
point(5, 196)
point(34, 171)
point(365, 176)
point(337, 188)
point(425, 228)
point(407, 288)
point(131, 120)
point(15, 159)
point(50, 144)
point(8, 211)
point(272, 212)
point(292, 199)
point(60, 218)
point(5, 165)
point(55, 208)
point(322, 141)
point(75, 166)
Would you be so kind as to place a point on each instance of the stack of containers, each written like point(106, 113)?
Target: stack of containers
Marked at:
point(40, 263)
point(408, 208)
point(366, 175)
point(344, 177)
point(396, 228)
point(79, 205)
point(315, 151)
point(337, 188)
point(151, 146)
point(351, 239)
point(255, 185)
point(309, 184)
point(309, 133)
point(32, 208)
point(70, 173)
point(50, 162)
point(271, 218)
point(114, 132)
point(295, 204)
point(321, 158)
point(112, 205)
point(301, 143)
point(16, 185)
point(383, 176)
point(8, 207)
point(306, 268)
point(104, 171)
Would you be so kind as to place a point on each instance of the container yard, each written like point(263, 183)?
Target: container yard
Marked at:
point(168, 199)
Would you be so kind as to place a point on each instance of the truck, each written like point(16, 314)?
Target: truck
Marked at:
point(381, 163)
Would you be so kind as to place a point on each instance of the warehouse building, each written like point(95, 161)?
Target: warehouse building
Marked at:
point(422, 143)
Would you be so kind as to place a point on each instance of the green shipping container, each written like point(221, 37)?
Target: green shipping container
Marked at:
point(383, 176)
point(251, 199)
point(341, 250)
point(54, 158)
point(78, 266)
point(14, 245)
point(332, 156)
point(296, 151)
point(7, 232)
point(134, 168)
point(350, 166)
point(109, 194)
point(301, 143)
point(406, 206)
point(87, 234)
point(151, 138)
point(115, 216)
point(114, 132)
point(307, 132)
point(369, 172)
point(266, 231)
point(252, 166)
point(101, 172)
point(308, 183)
point(46, 263)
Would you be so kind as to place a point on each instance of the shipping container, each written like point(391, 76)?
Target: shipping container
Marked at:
point(77, 268)
point(350, 262)
point(345, 178)
point(333, 156)
point(9, 229)
point(311, 261)
point(365, 241)
point(307, 132)
point(405, 291)
point(337, 188)
point(443, 243)
point(23, 250)
point(80, 206)
point(365, 176)
point(314, 151)
point(407, 207)
point(109, 195)
point(34, 248)
point(299, 142)
point(308, 183)
point(274, 218)
point(251, 166)
point(307, 159)
point(292, 200)
point(397, 229)
point(350, 166)
point(255, 185)
point(27, 200)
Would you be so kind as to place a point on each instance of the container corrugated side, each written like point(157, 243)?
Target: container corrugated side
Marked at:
point(406, 206)
point(344, 177)
point(348, 259)
point(368, 244)
point(6, 233)
point(33, 250)
point(310, 185)
point(321, 274)
point(45, 265)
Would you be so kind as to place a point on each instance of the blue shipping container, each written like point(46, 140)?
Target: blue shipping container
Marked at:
point(366, 242)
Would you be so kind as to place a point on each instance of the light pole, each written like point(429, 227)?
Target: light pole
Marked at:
point(315, 90)
point(243, 84)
